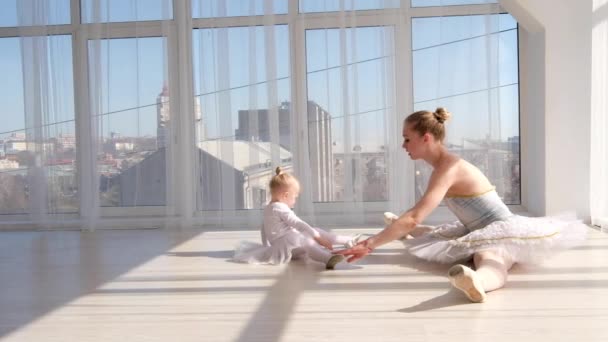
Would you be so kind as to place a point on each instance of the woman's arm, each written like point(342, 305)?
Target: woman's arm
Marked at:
point(439, 183)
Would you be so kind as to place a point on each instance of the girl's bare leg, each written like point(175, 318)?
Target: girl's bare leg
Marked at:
point(339, 239)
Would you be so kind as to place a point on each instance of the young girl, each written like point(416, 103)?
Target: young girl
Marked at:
point(285, 236)
point(487, 231)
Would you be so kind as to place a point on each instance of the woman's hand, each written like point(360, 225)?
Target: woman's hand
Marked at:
point(356, 252)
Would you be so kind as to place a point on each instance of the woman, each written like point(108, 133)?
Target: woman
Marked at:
point(486, 231)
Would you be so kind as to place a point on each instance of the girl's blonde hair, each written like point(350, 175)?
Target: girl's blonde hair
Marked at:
point(424, 121)
point(281, 180)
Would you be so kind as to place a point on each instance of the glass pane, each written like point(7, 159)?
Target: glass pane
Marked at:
point(311, 6)
point(128, 82)
point(475, 78)
point(46, 12)
point(37, 141)
point(241, 97)
point(429, 3)
point(348, 94)
point(432, 31)
point(237, 8)
point(103, 11)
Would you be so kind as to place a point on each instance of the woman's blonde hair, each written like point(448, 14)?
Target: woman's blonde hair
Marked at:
point(281, 180)
point(424, 121)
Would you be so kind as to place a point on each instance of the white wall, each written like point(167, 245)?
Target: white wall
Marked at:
point(532, 84)
point(599, 111)
point(556, 103)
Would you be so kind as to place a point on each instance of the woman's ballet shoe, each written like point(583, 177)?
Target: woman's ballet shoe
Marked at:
point(389, 218)
point(467, 281)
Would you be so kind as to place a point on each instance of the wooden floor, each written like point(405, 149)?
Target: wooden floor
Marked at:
point(154, 285)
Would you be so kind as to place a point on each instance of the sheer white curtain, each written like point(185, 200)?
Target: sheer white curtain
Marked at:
point(38, 183)
point(350, 112)
point(139, 113)
point(599, 116)
point(468, 64)
point(127, 137)
point(313, 97)
point(91, 136)
point(243, 106)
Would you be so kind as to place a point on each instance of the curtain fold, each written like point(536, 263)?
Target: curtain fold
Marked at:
point(130, 156)
point(44, 179)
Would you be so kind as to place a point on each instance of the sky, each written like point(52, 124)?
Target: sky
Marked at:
point(449, 59)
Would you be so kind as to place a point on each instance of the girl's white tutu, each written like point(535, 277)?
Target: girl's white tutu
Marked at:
point(280, 252)
point(524, 239)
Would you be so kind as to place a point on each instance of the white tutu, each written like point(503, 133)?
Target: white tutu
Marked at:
point(524, 239)
point(279, 252)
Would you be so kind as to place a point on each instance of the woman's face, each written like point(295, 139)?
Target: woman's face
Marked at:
point(413, 142)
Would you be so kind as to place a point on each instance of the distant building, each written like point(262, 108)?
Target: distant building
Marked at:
point(163, 115)
point(248, 163)
point(254, 125)
point(6, 164)
point(365, 167)
point(227, 182)
point(163, 118)
point(64, 142)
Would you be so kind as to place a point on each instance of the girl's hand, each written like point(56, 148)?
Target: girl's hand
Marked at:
point(356, 252)
point(324, 242)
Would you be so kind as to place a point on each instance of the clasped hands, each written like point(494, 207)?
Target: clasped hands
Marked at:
point(356, 252)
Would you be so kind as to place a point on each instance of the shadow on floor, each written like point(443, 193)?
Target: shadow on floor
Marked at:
point(43, 271)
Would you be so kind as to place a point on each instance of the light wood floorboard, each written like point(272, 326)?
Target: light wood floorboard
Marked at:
point(157, 285)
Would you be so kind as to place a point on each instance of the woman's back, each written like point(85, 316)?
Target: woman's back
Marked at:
point(467, 179)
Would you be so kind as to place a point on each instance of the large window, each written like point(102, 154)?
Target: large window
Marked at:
point(239, 97)
point(349, 85)
point(101, 11)
point(138, 108)
point(130, 106)
point(47, 12)
point(237, 8)
point(311, 6)
point(431, 3)
point(469, 65)
point(37, 139)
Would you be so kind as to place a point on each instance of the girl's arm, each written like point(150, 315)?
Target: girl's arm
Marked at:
point(289, 217)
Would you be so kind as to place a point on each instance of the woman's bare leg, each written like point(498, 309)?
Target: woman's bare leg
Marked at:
point(490, 274)
point(492, 269)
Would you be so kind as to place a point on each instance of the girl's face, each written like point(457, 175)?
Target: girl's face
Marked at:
point(290, 194)
point(414, 142)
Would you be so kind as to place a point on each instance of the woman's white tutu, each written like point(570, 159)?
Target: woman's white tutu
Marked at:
point(525, 240)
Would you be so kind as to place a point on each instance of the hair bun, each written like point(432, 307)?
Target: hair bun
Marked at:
point(278, 170)
point(441, 114)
